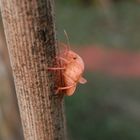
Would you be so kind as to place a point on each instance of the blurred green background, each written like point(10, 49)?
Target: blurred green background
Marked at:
point(107, 107)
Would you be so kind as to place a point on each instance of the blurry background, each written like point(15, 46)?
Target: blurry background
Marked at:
point(106, 33)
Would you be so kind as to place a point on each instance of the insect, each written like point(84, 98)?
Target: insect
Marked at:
point(72, 69)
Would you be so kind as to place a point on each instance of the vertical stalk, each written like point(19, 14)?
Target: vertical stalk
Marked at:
point(30, 34)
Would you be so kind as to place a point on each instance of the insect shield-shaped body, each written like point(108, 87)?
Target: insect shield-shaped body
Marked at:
point(74, 68)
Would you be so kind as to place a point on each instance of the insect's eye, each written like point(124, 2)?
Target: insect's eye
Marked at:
point(74, 58)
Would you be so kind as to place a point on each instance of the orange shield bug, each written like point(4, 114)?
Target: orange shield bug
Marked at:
point(72, 69)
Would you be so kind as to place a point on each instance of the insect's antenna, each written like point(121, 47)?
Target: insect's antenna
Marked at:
point(67, 40)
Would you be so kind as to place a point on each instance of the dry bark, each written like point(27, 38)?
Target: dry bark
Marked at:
point(30, 34)
point(12, 123)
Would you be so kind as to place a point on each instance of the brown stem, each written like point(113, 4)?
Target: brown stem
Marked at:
point(30, 34)
point(12, 122)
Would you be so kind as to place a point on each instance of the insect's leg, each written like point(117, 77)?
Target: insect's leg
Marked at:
point(55, 68)
point(63, 59)
point(64, 88)
point(59, 68)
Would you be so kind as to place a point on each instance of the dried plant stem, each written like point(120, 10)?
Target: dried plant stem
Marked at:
point(13, 122)
point(30, 34)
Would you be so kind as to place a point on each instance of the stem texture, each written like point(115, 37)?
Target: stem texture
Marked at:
point(30, 35)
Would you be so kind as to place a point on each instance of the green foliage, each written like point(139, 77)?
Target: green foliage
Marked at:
point(105, 108)
point(95, 111)
point(118, 27)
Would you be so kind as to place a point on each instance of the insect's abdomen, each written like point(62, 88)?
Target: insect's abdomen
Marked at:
point(70, 91)
point(72, 75)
